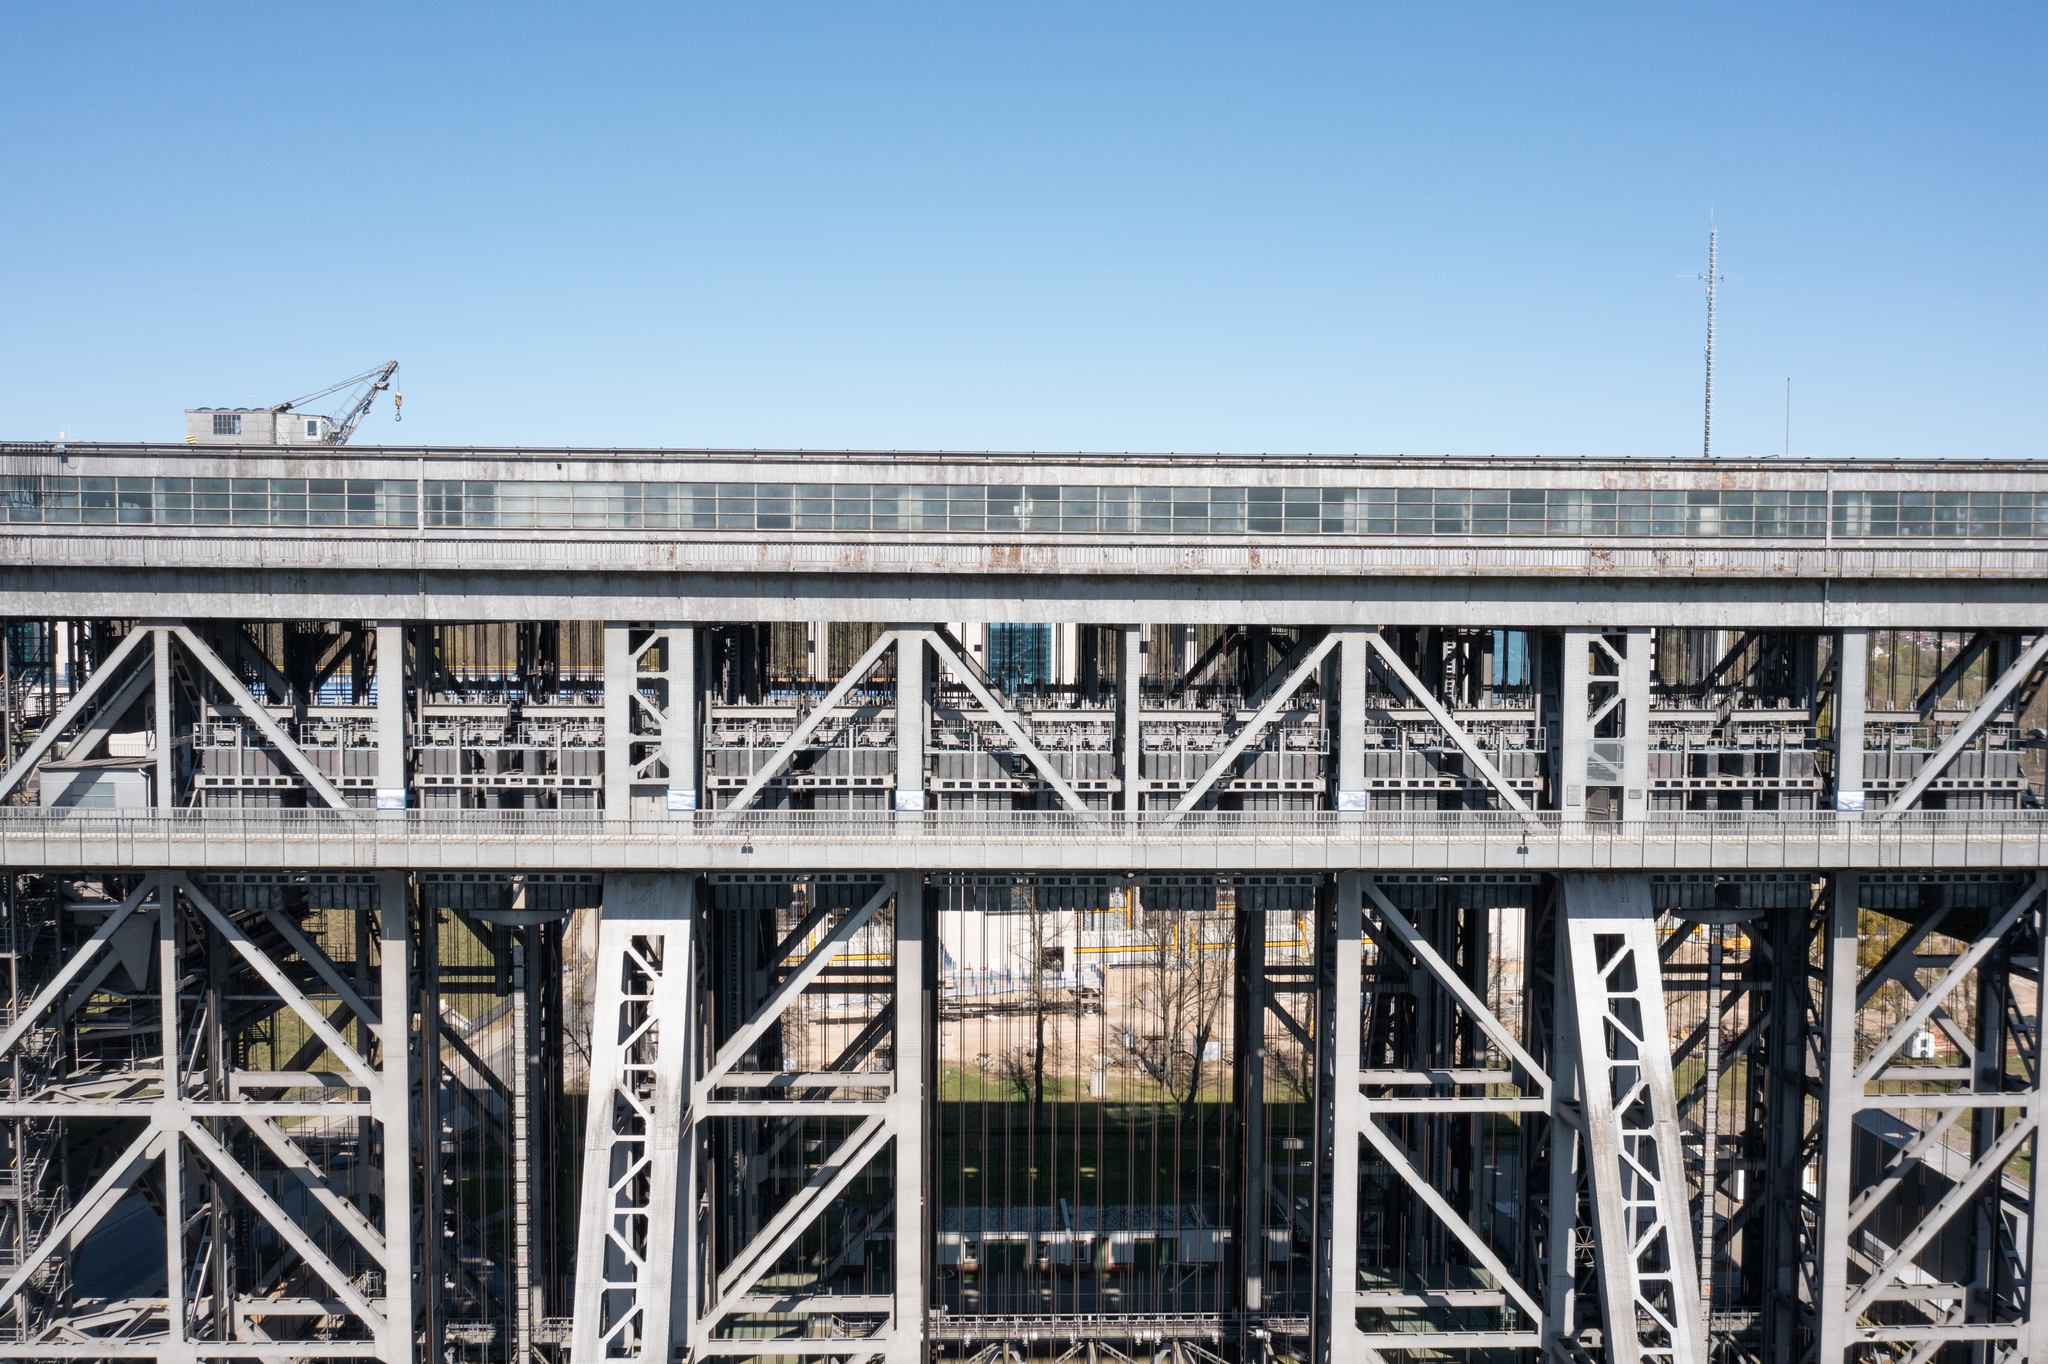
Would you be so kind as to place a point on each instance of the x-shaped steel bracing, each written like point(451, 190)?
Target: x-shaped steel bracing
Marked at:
point(181, 1121)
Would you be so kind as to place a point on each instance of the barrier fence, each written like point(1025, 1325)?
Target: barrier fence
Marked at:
point(527, 839)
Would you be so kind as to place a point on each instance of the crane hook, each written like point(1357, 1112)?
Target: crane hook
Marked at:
point(397, 403)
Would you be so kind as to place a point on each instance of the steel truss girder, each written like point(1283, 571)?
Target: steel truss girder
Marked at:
point(1353, 1121)
point(631, 1235)
point(899, 1127)
point(159, 634)
point(1643, 1227)
point(808, 726)
point(941, 643)
point(238, 695)
point(1298, 673)
point(2002, 1307)
point(72, 710)
point(1594, 1031)
point(1587, 699)
point(188, 1117)
point(1994, 699)
point(1609, 1099)
point(647, 1284)
point(1391, 662)
point(672, 738)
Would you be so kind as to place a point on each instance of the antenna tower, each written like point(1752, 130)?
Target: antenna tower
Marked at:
point(1712, 278)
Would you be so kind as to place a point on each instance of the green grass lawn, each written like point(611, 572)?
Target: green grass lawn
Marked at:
point(1131, 1145)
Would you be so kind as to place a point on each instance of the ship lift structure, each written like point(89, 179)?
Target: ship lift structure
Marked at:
point(566, 906)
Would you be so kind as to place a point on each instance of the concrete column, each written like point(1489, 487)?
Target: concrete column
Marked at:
point(909, 1116)
point(1130, 688)
point(1576, 738)
point(166, 722)
point(1066, 655)
point(394, 1098)
point(1635, 722)
point(619, 683)
point(391, 787)
point(1841, 1096)
point(1353, 668)
point(1184, 651)
point(1852, 684)
point(913, 724)
point(682, 730)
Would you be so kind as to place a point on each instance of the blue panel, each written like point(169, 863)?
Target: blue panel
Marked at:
point(1019, 656)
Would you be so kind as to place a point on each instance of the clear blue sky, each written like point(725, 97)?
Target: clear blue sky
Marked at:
point(1104, 226)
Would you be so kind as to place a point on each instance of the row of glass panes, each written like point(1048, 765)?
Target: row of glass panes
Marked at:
point(212, 501)
point(1977, 515)
point(1019, 508)
point(1085, 508)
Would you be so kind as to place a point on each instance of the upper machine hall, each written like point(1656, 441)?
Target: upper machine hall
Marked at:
point(246, 480)
point(1077, 537)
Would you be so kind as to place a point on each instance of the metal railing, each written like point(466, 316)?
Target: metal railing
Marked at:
point(1194, 824)
point(1144, 1327)
point(542, 839)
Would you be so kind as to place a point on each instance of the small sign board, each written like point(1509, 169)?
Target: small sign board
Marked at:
point(1351, 801)
point(910, 802)
point(1849, 802)
point(389, 799)
point(682, 799)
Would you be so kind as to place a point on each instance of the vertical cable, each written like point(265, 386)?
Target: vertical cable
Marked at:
point(522, 1184)
point(1710, 1122)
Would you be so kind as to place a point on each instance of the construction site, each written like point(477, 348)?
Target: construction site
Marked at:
point(507, 905)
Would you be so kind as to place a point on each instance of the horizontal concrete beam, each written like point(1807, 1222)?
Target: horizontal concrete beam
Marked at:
point(549, 841)
point(1774, 594)
point(1008, 554)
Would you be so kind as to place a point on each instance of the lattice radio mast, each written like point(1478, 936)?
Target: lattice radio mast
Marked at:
point(1712, 278)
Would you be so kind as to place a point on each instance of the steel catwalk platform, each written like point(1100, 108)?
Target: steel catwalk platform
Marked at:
point(493, 905)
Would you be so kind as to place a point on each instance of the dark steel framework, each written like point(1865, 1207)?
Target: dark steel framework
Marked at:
point(1220, 1105)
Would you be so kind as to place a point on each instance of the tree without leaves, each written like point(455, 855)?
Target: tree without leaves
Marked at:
point(1183, 983)
point(1038, 947)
